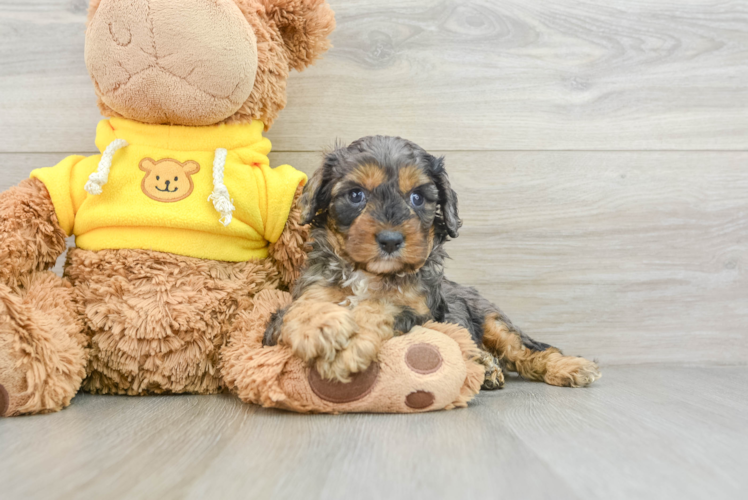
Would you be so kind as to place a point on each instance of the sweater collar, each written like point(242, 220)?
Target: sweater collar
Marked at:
point(182, 138)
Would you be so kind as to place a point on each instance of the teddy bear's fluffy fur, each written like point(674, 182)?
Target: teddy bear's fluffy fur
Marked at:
point(139, 321)
point(158, 321)
point(129, 321)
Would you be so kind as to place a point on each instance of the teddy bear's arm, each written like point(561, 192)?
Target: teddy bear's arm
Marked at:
point(31, 238)
point(289, 252)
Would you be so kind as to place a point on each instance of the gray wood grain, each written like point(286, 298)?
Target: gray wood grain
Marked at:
point(644, 432)
point(451, 75)
point(626, 257)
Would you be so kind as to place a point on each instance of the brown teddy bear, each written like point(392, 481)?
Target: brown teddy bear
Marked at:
point(179, 222)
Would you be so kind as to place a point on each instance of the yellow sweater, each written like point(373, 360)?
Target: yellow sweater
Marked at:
point(156, 196)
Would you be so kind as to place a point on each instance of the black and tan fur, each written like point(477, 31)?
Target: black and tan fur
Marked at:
point(381, 211)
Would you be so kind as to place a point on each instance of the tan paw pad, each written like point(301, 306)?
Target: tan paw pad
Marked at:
point(423, 358)
point(420, 400)
point(359, 387)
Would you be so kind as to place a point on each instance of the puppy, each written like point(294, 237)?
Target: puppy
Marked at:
point(381, 211)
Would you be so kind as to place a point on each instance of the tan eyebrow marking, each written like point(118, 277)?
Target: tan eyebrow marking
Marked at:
point(410, 177)
point(369, 176)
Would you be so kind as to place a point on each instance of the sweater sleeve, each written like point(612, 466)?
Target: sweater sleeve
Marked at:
point(62, 182)
point(280, 184)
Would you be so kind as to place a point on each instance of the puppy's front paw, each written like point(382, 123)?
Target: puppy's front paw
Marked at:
point(494, 376)
point(355, 357)
point(317, 330)
point(569, 371)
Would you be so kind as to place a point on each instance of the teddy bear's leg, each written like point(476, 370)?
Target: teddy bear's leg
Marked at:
point(433, 367)
point(42, 347)
point(250, 371)
point(544, 363)
point(31, 238)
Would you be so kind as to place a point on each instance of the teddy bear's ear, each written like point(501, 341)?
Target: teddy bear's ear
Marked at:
point(304, 26)
point(147, 164)
point(191, 167)
point(93, 6)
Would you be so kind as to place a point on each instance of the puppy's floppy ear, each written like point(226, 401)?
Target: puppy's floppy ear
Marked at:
point(304, 26)
point(316, 196)
point(308, 200)
point(447, 196)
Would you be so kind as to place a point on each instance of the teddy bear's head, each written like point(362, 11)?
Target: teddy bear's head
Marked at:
point(201, 62)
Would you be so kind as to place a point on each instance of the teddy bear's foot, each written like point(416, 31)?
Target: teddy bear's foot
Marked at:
point(424, 370)
point(42, 353)
point(419, 361)
point(13, 394)
point(13, 385)
point(4, 401)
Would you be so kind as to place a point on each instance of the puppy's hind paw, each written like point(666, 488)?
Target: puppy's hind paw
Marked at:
point(569, 371)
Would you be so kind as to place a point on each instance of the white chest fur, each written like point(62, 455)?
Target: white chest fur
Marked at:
point(363, 286)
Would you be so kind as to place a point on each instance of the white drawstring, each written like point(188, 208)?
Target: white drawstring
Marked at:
point(220, 196)
point(97, 179)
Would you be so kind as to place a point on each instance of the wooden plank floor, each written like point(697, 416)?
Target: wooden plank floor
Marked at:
point(644, 432)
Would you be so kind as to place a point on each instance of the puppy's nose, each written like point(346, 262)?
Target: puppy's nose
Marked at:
point(390, 241)
point(167, 184)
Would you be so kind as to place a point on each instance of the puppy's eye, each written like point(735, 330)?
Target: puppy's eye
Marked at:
point(356, 196)
point(176, 179)
point(416, 199)
point(158, 178)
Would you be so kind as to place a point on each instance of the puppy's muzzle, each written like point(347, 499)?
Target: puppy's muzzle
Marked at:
point(390, 241)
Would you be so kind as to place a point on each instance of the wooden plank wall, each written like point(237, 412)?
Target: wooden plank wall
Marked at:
point(600, 149)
